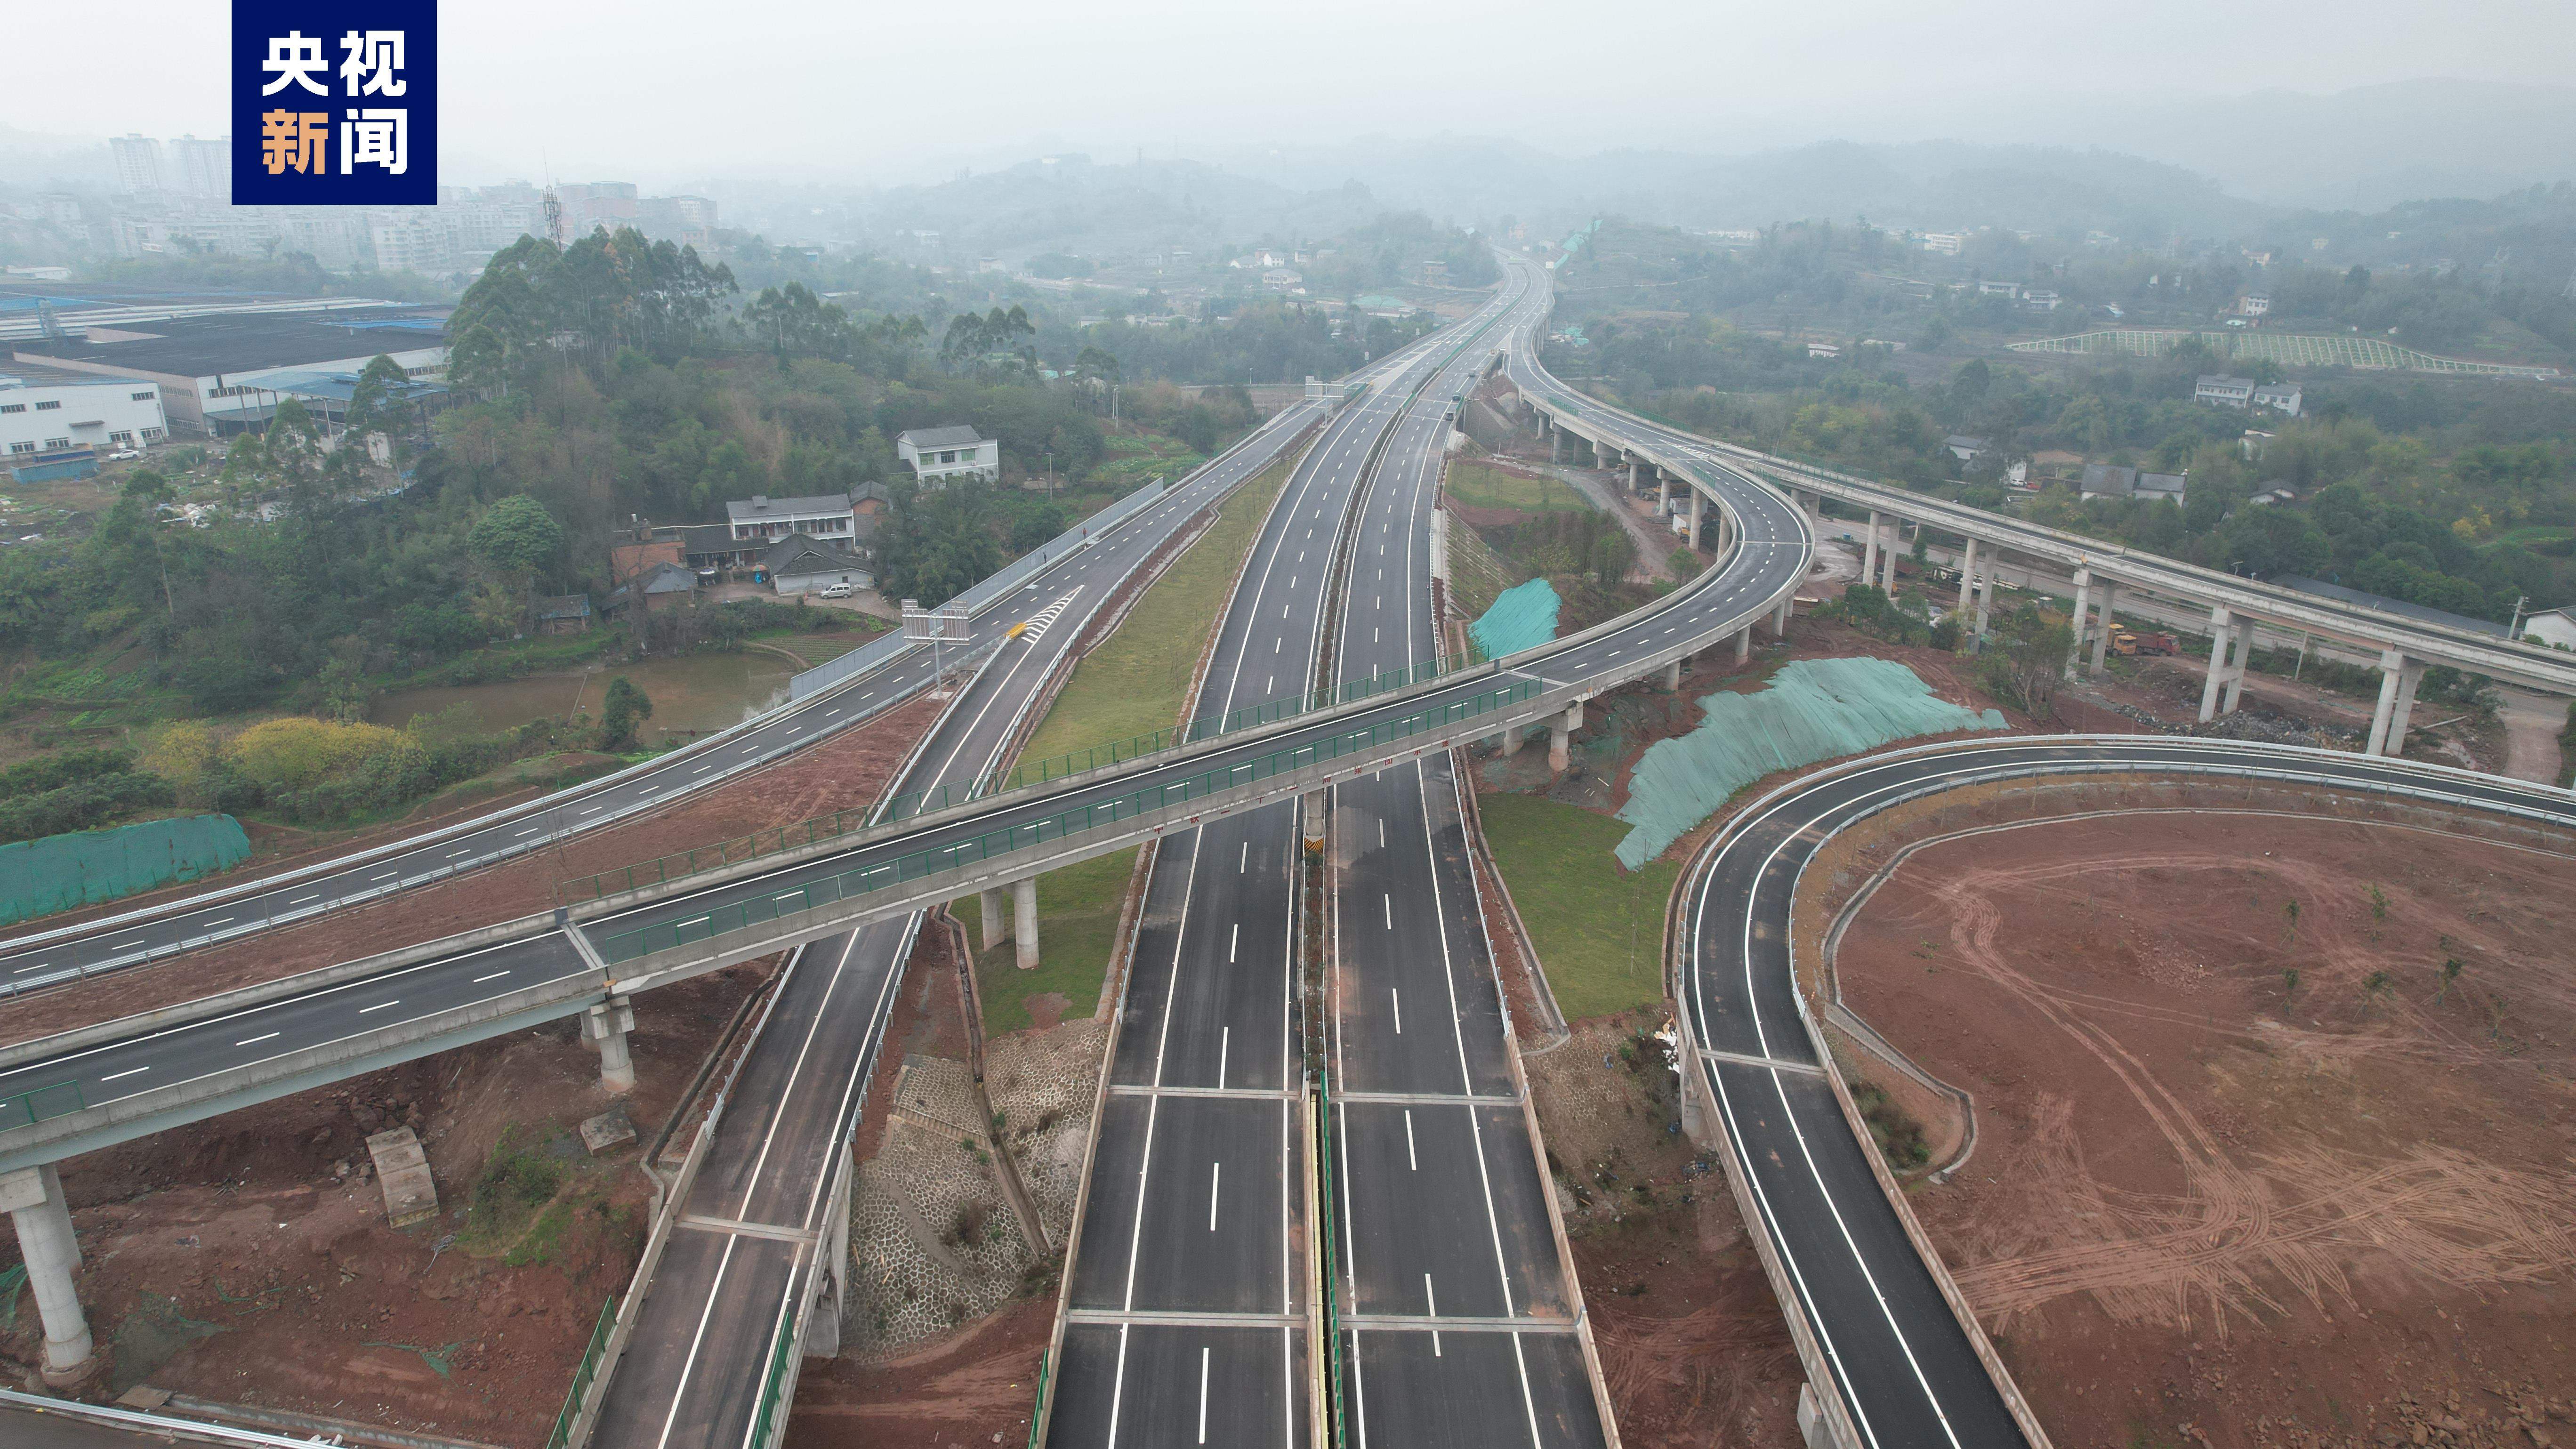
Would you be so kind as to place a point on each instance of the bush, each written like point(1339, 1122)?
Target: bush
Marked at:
point(82, 804)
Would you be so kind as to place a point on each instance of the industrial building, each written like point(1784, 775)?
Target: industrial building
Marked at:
point(226, 373)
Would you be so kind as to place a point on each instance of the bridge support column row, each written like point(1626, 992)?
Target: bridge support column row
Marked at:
point(605, 1027)
point(2228, 643)
point(34, 1199)
point(2397, 681)
point(1024, 910)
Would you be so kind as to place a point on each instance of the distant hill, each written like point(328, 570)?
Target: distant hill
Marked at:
point(1930, 185)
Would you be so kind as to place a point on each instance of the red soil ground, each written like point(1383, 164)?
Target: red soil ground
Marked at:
point(845, 771)
point(2205, 1207)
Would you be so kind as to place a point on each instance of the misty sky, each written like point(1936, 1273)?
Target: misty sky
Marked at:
point(664, 93)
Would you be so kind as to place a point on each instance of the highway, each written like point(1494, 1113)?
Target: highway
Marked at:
point(1458, 1322)
point(52, 957)
point(1185, 1302)
point(745, 1256)
point(1905, 1363)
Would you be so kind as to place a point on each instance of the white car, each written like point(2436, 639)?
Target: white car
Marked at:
point(835, 591)
point(123, 455)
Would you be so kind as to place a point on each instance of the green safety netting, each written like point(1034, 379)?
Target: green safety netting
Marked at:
point(1814, 709)
point(1523, 617)
point(38, 877)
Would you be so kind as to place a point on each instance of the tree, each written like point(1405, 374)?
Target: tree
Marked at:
point(516, 537)
point(620, 712)
point(2027, 656)
point(376, 405)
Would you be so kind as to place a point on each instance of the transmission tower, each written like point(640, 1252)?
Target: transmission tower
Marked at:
point(554, 217)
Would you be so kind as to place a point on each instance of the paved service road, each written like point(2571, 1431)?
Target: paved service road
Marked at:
point(1906, 1366)
point(1186, 1302)
point(1442, 1209)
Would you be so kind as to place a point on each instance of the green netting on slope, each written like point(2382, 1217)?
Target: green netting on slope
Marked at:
point(1523, 617)
point(1814, 709)
point(38, 877)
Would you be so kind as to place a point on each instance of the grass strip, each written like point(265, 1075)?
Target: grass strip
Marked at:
point(1598, 930)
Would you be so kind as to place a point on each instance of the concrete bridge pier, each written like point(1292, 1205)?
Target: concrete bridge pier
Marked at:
point(2228, 640)
point(995, 918)
point(2103, 626)
point(1869, 552)
point(34, 1199)
point(2397, 681)
point(1673, 676)
point(605, 1027)
point(1968, 587)
point(1743, 643)
point(1698, 509)
point(1315, 808)
point(1780, 615)
point(1560, 738)
point(1024, 913)
point(1555, 440)
point(1511, 741)
point(2083, 606)
point(1663, 493)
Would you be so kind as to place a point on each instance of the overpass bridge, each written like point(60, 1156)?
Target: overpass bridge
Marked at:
point(2101, 572)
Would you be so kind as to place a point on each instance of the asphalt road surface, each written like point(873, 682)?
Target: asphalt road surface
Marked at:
point(743, 1259)
point(1443, 1211)
point(1186, 1298)
point(1905, 1364)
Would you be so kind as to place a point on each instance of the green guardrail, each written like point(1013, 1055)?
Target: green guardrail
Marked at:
point(26, 1109)
point(1331, 1251)
point(773, 1384)
point(583, 1376)
point(1074, 820)
point(680, 865)
point(1037, 1416)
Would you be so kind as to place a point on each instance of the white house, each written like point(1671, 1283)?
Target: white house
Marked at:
point(2232, 392)
point(825, 515)
point(47, 410)
point(2253, 304)
point(2553, 627)
point(2280, 397)
point(1944, 242)
point(940, 456)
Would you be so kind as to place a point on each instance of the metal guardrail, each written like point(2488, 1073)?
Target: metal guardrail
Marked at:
point(1205, 727)
point(765, 1417)
point(582, 1375)
point(26, 1109)
point(1076, 820)
point(1331, 1250)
